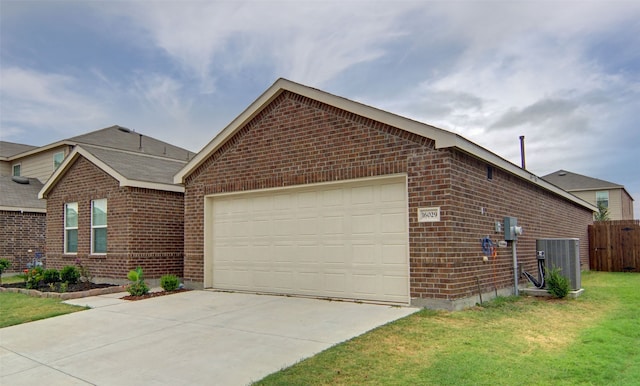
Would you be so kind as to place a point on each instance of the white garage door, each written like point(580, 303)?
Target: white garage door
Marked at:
point(343, 240)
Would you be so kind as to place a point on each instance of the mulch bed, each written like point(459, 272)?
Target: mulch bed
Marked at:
point(154, 294)
point(70, 288)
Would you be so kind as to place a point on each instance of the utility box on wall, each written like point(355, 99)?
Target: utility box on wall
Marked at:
point(509, 226)
point(564, 254)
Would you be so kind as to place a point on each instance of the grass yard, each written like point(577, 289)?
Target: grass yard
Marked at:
point(592, 340)
point(19, 308)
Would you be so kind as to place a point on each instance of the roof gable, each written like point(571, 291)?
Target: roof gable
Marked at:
point(442, 138)
point(129, 169)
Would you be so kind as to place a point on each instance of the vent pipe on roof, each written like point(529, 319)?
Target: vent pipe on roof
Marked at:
point(522, 155)
point(140, 143)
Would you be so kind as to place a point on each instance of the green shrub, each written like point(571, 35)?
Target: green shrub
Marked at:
point(557, 285)
point(70, 274)
point(137, 287)
point(169, 282)
point(4, 264)
point(51, 276)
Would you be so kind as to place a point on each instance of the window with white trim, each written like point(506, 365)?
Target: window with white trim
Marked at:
point(57, 159)
point(99, 226)
point(16, 170)
point(71, 227)
point(602, 199)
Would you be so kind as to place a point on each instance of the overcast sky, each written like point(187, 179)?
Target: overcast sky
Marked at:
point(566, 75)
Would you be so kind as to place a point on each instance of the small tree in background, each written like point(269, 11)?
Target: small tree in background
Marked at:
point(602, 214)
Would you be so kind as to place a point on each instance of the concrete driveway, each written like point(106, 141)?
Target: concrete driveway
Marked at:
point(190, 338)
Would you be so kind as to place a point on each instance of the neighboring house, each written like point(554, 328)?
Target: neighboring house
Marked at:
point(41, 162)
point(22, 221)
point(37, 164)
point(612, 196)
point(311, 194)
point(115, 210)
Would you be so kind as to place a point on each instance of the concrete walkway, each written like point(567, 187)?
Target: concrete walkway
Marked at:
point(190, 338)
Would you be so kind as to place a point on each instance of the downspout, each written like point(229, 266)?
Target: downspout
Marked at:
point(515, 266)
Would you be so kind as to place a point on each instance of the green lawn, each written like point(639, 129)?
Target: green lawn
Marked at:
point(19, 308)
point(593, 340)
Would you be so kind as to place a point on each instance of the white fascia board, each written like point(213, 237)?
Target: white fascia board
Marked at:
point(151, 185)
point(22, 209)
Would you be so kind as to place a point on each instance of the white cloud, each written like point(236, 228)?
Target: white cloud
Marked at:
point(161, 95)
point(310, 42)
point(34, 99)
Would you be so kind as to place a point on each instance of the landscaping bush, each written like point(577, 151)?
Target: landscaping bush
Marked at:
point(169, 282)
point(33, 277)
point(70, 274)
point(137, 287)
point(4, 264)
point(50, 276)
point(557, 285)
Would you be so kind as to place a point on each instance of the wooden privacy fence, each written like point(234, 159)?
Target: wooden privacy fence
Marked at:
point(614, 246)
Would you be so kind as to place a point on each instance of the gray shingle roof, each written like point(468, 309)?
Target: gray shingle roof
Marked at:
point(8, 149)
point(575, 182)
point(118, 137)
point(21, 196)
point(138, 167)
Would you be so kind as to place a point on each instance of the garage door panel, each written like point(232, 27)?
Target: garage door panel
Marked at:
point(363, 224)
point(392, 254)
point(332, 224)
point(332, 198)
point(362, 195)
point(393, 223)
point(345, 240)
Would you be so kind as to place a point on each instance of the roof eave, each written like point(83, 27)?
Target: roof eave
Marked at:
point(41, 149)
point(22, 209)
point(151, 185)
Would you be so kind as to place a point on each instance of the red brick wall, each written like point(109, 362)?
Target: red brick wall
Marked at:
point(156, 240)
point(296, 140)
point(144, 229)
point(20, 232)
point(477, 204)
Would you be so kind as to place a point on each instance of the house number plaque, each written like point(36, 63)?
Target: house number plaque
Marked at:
point(428, 214)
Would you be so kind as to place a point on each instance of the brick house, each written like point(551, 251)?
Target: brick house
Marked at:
point(307, 193)
point(25, 168)
point(115, 210)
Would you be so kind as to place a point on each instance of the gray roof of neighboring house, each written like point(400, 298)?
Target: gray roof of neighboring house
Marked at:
point(118, 137)
point(21, 196)
point(138, 167)
point(8, 149)
point(572, 182)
